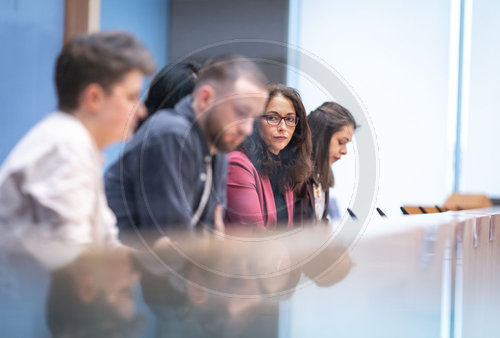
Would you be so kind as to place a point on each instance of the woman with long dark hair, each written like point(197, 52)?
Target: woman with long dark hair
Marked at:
point(271, 164)
point(332, 127)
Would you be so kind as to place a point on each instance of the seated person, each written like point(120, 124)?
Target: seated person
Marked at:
point(51, 183)
point(170, 85)
point(172, 174)
point(266, 169)
point(332, 127)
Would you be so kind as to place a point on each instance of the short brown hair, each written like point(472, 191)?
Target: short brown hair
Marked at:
point(227, 69)
point(103, 58)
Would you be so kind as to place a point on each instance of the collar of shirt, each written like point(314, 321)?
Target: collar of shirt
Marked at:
point(81, 133)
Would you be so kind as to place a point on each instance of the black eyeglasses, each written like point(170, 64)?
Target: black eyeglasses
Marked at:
point(275, 120)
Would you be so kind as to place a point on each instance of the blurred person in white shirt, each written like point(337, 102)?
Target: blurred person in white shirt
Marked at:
point(51, 187)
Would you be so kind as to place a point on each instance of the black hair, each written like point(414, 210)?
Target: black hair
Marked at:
point(170, 85)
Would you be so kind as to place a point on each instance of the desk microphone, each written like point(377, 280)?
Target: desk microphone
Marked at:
point(353, 216)
point(381, 213)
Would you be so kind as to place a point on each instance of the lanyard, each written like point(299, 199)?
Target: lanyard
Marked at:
point(206, 192)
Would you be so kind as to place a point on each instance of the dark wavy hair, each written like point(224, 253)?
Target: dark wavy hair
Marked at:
point(295, 158)
point(325, 121)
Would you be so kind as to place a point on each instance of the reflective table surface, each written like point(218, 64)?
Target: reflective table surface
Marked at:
point(413, 276)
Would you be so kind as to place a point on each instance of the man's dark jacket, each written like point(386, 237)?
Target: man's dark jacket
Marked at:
point(158, 180)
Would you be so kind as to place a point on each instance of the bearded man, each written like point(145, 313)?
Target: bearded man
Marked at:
point(172, 174)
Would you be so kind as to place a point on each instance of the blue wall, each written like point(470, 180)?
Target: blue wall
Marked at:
point(147, 20)
point(30, 43)
point(31, 34)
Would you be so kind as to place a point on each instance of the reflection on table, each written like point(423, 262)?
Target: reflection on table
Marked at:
point(415, 276)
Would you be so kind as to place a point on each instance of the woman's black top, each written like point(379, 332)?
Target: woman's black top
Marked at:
point(279, 198)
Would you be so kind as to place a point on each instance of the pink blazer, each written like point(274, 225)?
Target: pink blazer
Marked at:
point(250, 198)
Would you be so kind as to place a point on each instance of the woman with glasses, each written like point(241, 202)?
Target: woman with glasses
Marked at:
point(332, 127)
point(271, 164)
